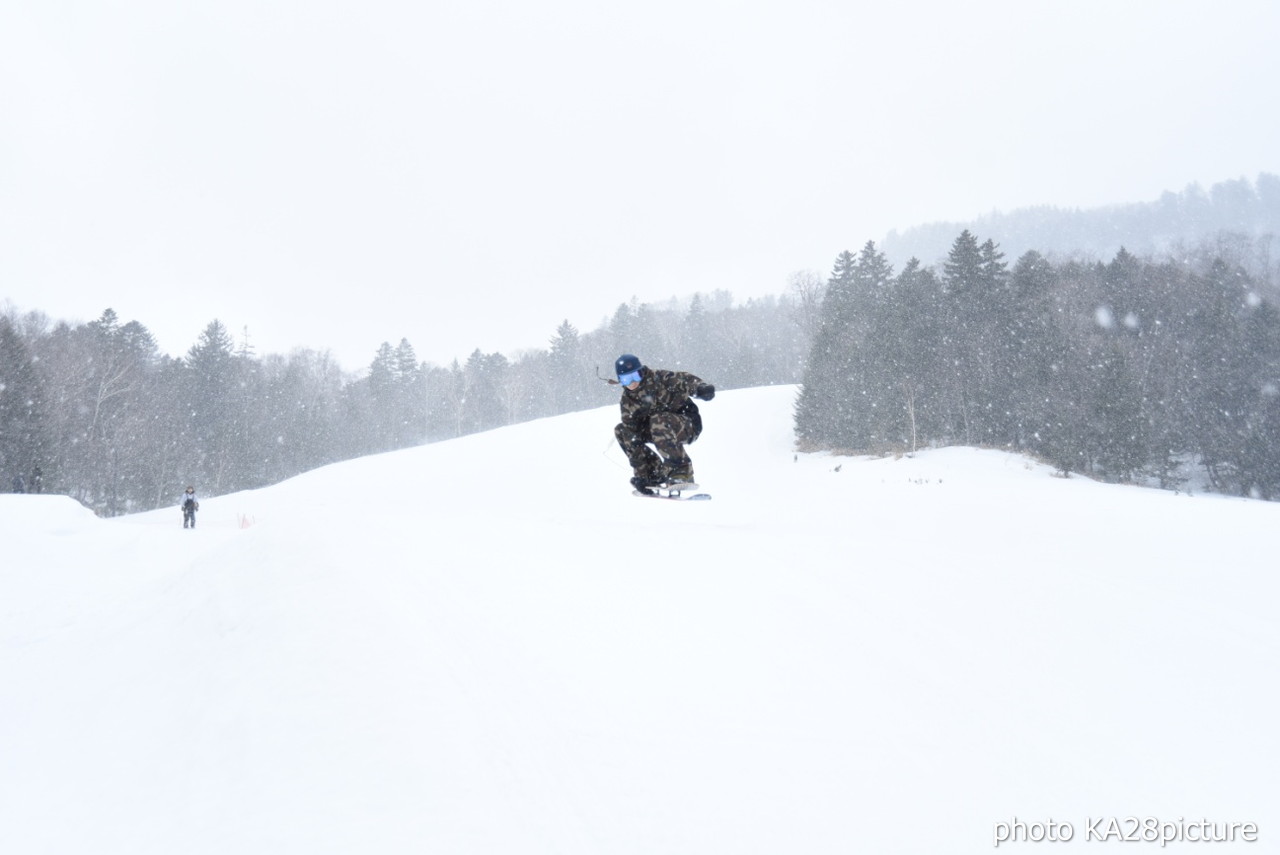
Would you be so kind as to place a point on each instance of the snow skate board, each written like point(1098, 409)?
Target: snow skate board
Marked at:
point(676, 492)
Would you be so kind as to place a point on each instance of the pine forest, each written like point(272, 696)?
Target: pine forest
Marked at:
point(1155, 369)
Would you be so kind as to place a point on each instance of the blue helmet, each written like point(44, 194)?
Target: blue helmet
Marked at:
point(627, 367)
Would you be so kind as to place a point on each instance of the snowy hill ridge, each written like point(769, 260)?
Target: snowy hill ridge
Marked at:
point(488, 645)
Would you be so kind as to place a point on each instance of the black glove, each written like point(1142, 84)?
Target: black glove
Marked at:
point(705, 392)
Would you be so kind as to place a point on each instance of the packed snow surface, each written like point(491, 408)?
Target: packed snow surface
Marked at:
point(488, 645)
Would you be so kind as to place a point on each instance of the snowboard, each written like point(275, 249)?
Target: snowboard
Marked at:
point(675, 493)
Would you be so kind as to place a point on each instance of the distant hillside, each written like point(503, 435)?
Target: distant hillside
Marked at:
point(1245, 215)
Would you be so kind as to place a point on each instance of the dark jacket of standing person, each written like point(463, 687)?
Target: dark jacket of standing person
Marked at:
point(189, 507)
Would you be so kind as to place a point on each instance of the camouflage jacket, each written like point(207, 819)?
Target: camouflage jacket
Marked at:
point(660, 391)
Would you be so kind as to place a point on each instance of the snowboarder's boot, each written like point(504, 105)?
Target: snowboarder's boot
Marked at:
point(645, 484)
point(679, 472)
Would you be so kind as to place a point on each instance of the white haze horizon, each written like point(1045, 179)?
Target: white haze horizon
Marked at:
point(431, 650)
point(468, 176)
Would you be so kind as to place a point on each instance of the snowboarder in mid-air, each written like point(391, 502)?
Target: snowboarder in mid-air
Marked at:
point(189, 508)
point(657, 409)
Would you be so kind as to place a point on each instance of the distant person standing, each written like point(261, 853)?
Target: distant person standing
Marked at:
point(37, 480)
point(19, 486)
point(189, 507)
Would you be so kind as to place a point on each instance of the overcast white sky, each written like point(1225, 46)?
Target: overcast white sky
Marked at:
point(469, 174)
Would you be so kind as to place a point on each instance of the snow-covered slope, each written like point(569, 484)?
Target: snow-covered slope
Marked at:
point(489, 646)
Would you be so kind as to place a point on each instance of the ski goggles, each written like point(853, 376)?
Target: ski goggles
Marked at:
point(629, 378)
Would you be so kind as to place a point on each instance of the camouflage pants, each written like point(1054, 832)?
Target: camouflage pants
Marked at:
point(669, 432)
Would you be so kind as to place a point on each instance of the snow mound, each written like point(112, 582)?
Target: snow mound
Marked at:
point(43, 515)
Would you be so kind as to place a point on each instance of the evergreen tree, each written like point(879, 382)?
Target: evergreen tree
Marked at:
point(215, 410)
point(1032, 350)
point(622, 331)
point(916, 326)
point(406, 363)
point(874, 408)
point(1226, 390)
point(841, 401)
point(22, 430)
point(819, 405)
point(964, 333)
point(1117, 437)
point(567, 376)
point(1259, 456)
point(395, 399)
point(695, 347)
point(410, 398)
point(485, 403)
point(1122, 291)
point(979, 327)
